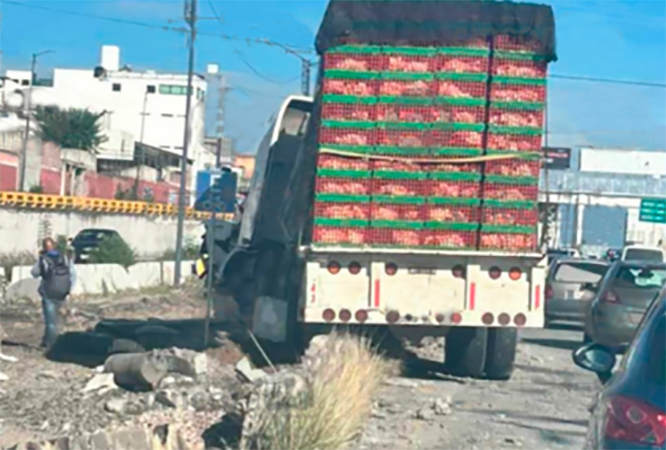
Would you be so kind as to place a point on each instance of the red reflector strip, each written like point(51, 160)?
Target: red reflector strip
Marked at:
point(472, 296)
point(313, 293)
point(537, 296)
point(377, 294)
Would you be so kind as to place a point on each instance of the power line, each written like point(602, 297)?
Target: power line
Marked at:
point(608, 80)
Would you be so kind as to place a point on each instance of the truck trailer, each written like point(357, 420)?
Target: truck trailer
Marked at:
point(403, 196)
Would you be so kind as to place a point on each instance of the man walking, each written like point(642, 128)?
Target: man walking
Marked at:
point(58, 276)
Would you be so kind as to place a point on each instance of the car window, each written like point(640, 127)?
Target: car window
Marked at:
point(639, 277)
point(579, 272)
point(94, 235)
point(644, 255)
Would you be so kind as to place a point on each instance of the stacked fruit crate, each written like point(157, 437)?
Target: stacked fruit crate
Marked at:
point(395, 122)
point(515, 123)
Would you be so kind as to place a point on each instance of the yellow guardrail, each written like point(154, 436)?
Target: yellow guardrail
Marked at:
point(100, 205)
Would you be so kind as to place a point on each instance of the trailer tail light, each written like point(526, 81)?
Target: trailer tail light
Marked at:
point(456, 318)
point(345, 315)
point(487, 318)
point(391, 269)
point(494, 272)
point(549, 292)
point(328, 315)
point(632, 421)
point(361, 316)
point(520, 320)
point(393, 317)
point(504, 319)
point(610, 297)
point(354, 268)
point(334, 267)
point(439, 318)
point(515, 273)
point(458, 272)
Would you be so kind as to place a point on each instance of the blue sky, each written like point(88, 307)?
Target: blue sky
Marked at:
point(613, 39)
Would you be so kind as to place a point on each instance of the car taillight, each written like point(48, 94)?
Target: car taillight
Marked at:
point(610, 297)
point(630, 420)
point(549, 292)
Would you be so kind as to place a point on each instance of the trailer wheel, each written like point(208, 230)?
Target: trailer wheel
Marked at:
point(502, 344)
point(465, 351)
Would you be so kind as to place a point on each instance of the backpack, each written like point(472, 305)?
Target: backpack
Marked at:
point(57, 281)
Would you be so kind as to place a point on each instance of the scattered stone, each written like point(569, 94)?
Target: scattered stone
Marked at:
point(166, 398)
point(167, 381)
point(378, 415)
point(3, 377)
point(115, 405)
point(442, 407)
point(512, 441)
point(426, 414)
point(401, 382)
point(247, 372)
point(101, 383)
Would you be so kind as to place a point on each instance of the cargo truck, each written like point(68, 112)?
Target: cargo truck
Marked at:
point(403, 196)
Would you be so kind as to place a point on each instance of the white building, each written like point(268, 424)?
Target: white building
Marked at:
point(138, 107)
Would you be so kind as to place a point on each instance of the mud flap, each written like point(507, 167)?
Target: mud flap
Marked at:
point(270, 319)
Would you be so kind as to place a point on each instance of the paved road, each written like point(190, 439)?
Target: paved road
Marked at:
point(543, 405)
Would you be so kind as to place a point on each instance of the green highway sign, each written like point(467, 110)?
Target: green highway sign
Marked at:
point(653, 210)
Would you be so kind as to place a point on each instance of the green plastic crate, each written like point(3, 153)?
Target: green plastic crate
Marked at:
point(344, 173)
point(341, 223)
point(348, 99)
point(341, 198)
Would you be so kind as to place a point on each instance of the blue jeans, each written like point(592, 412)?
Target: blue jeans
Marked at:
point(50, 309)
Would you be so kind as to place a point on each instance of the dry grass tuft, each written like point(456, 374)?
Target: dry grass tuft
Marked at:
point(342, 376)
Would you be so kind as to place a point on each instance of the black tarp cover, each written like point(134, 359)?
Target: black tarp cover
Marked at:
point(435, 23)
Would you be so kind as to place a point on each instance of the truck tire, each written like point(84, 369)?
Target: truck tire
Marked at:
point(501, 355)
point(465, 351)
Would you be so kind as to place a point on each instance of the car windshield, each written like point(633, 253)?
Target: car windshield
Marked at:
point(657, 361)
point(579, 272)
point(93, 235)
point(640, 277)
point(642, 254)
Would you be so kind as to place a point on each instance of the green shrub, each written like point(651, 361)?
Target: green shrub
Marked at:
point(113, 250)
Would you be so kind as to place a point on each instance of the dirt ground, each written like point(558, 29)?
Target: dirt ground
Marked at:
point(543, 405)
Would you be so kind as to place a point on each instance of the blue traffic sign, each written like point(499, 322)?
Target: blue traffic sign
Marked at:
point(216, 191)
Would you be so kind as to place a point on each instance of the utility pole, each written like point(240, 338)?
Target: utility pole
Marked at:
point(191, 19)
point(28, 115)
point(306, 74)
point(218, 152)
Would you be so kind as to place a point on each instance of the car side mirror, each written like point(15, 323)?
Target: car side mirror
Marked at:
point(596, 358)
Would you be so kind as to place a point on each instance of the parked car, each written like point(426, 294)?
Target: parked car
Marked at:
point(620, 301)
point(630, 411)
point(89, 239)
point(642, 253)
point(565, 298)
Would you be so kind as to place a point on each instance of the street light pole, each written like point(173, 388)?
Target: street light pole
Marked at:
point(28, 100)
point(191, 19)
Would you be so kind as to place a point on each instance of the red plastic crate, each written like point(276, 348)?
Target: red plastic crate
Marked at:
point(474, 43)
point(395, 211)
point(451, 167)
point(409, 63)
point(518, 93)
point(460, 89)
point(508, 241)
point(396, 166)
point(403, 138)
point(398, 187)
point(335, 185)
point(406, 88)
point(516, 117)
point(340, 235)
point(392, 112)
point(515, 142)
point(462, 64)
point(449, 239)
point(352, 87)
point(511, 192)
point(453, 189)
point(514, 167)
point(511, 43)
point(510, 216)
point(451, 213)
point(348, 111)
point(355, 62)
point(519, 68)
point(329, 161)
point(459, 114)
point(348, 136)
point(396, 237)
point(342, 210)
point(456, 139)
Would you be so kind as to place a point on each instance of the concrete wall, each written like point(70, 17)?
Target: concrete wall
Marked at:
point(101, 278)
point(21, 230)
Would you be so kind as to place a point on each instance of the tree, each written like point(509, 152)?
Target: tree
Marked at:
point(70, 128)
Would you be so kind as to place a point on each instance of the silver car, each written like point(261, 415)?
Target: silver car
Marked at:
point(569, 286)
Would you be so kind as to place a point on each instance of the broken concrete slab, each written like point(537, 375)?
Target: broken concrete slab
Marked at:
point(100, 383)
point(247, 372)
